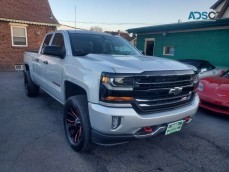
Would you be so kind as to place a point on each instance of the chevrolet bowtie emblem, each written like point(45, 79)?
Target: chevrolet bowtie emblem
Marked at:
point(175, 91)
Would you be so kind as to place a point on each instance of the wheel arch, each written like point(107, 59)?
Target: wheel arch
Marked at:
point(26, 67)
point(72, 89)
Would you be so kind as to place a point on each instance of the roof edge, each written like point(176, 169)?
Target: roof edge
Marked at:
point(181, 26)
point(29, 22)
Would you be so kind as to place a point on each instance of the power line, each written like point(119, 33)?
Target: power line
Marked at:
point(105, 23)
point(73, 27)
point(75, 12)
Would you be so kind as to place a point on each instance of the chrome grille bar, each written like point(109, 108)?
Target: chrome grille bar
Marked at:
point(152, 93)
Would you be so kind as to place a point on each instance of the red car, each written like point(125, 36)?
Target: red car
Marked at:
point(214, 93)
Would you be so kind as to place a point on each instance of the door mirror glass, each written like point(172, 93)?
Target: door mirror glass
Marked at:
point(54, 51)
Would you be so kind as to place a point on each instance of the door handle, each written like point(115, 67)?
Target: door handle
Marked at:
point(45, 62)
point(37, 60)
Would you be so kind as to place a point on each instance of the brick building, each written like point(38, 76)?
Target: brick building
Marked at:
point(23, 24)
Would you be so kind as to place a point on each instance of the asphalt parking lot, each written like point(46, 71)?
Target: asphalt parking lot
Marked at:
point(32, 139)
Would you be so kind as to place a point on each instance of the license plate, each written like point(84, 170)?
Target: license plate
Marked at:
point(174, 127)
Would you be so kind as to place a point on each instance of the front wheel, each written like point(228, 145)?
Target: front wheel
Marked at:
point(76, 123)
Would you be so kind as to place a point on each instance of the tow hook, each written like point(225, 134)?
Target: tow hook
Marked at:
point(148, 129)
point(188, 119)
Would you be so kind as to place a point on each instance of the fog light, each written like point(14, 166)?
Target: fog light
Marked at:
point(116, 121)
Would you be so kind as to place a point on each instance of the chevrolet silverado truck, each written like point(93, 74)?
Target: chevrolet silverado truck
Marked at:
point(111, 92)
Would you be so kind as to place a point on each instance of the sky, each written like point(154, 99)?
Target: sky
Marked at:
point(116, 15)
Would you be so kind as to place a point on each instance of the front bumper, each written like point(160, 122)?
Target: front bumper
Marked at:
point(131, 121)
point(115, 139)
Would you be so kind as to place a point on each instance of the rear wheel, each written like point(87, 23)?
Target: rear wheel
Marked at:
point(31, 89)
point(76, 123)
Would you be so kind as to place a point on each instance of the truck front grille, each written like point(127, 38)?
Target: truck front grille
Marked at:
point(162, 92)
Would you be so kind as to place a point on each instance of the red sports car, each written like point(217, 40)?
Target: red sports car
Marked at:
point(214, 93)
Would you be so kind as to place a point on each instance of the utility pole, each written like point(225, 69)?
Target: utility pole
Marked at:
point(75, 16)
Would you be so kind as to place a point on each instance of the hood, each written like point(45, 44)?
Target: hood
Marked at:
point(136, 64)
point(216, 84)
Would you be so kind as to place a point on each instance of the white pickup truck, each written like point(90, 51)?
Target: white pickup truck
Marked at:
point(111, 92)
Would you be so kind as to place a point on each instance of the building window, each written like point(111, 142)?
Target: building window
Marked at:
point(169, 50)
point(19, 36)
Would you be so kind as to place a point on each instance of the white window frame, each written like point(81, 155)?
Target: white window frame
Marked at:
point(145, 46)
point(22, 26)
point(168, 54)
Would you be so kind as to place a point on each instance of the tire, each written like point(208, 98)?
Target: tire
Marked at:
point(77, 124)
point(31, 89)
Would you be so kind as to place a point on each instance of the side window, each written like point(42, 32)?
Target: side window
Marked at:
point(58, 41)
point(46, 41)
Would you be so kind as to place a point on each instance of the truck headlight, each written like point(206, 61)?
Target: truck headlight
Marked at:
point(195, 80)
point(116, 88)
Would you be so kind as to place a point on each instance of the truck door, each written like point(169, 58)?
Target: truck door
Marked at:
point(53, 69)
point(38, 62)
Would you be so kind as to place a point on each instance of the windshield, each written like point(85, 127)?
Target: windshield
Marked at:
point(200, 65)
point(83, 44)
point(197, 65)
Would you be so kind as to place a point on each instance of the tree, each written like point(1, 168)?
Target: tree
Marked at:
point(96, 28)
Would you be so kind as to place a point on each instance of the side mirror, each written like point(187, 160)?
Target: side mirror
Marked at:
point(54, 51)
point(203, 70)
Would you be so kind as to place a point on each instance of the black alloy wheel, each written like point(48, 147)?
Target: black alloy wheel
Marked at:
point(31, 89)
point(77, 124)
point(73, 124)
